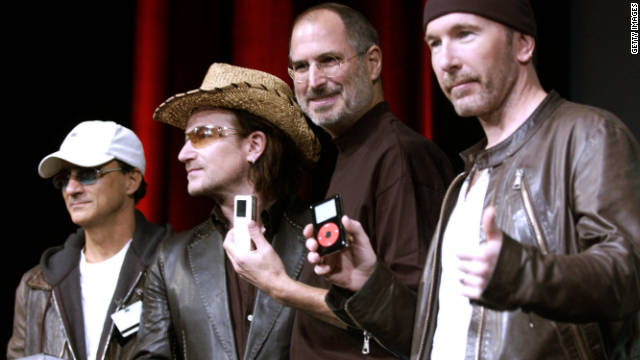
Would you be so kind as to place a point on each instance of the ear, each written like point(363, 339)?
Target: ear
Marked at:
point(373, 62)
point(133, 180)
point(523, 46)
point(255, 144)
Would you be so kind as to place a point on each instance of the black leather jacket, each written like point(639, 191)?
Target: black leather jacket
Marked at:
point(186, 308)
point(566, 187)
point(48, 310)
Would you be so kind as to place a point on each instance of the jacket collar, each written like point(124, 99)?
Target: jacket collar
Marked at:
point(205, 257)
point(480, 158)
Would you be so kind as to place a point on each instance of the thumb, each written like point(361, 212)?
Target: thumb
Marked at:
point(350, 225)
point(489, 226)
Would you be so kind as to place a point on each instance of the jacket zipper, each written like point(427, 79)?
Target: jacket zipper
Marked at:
point(118, 308)
point(184, 347)
point(480, 333)
point(521, 185)
point(366, 336)
point(365, 344)
point(64, 329)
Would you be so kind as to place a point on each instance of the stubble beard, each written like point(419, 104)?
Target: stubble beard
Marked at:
point(352, 104)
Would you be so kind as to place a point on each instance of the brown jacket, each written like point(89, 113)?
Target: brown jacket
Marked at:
point(566, 187)
point(48, 310)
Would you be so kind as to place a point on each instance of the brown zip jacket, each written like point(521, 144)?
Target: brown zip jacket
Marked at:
point(566, 187)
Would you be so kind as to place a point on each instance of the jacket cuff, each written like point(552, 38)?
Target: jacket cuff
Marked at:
point(503, 283)
point(384, 307)
point(336, 299)
point(359, 302)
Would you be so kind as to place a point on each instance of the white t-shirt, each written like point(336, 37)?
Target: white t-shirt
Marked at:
point(462, 231)
point(98, 282)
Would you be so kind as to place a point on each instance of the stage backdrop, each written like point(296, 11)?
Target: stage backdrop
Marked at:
point(175, 42)
point(75, 60)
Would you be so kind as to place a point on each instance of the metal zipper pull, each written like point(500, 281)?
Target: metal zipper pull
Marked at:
point(365, 344)
point(518, 181)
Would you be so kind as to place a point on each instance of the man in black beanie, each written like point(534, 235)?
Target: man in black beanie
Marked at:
point(537, 251)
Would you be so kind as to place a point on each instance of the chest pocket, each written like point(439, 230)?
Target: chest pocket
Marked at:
point(522, 223)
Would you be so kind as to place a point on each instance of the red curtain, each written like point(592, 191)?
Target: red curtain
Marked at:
point(176, 41)
point(149, 81)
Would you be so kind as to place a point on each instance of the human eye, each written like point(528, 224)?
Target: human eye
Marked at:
point(300, 67)
point(86, 174)
point(433, 43)
point(465, 34)
point(327, 62)
point(204, 132)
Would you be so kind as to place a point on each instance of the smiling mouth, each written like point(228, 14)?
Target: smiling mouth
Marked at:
point(323, 100)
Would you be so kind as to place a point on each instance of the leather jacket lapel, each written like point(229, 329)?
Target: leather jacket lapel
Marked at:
point(289, 244)
point(206, 258)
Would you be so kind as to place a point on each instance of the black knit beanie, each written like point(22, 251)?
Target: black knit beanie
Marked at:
point(517, 14)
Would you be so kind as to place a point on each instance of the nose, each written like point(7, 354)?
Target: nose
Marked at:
point(446, 59)
point(73, 186)
point(316, 77)
point(186, 153)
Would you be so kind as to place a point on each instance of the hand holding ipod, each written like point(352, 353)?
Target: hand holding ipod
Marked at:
point(349, 268)
point(245, 208)
point(327, 225)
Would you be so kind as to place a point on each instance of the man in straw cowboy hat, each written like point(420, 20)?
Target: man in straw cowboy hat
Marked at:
point(537, 255)
point(64, 306)
point(244, 134)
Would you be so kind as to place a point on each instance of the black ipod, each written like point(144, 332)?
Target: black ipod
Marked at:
point(327, 225)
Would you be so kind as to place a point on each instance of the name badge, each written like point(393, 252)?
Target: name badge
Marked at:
point(127, 320)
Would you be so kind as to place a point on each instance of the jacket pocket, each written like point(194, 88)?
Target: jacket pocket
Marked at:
point(520, 184)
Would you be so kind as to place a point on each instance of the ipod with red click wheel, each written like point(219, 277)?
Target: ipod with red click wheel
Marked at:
point(327, 225)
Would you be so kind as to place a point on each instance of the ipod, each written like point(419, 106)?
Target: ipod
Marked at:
point(327, 225)
point(245, 207)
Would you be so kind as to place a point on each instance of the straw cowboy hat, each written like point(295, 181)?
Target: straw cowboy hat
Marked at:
point(259, 93)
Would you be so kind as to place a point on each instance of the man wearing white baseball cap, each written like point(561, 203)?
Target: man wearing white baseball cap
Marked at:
point(83, 300)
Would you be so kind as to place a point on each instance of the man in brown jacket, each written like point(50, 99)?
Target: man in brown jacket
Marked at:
point(537, 251)
point(83, 301)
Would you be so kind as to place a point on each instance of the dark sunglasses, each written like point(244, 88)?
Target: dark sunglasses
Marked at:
point(86, 176)
point(200, 136)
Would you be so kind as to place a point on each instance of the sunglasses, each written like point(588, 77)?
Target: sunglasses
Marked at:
point(85, 176)
point(200, 136)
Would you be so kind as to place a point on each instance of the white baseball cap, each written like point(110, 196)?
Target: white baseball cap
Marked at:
point(93, 143)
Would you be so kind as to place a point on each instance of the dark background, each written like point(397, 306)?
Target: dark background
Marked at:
point(66, 62)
